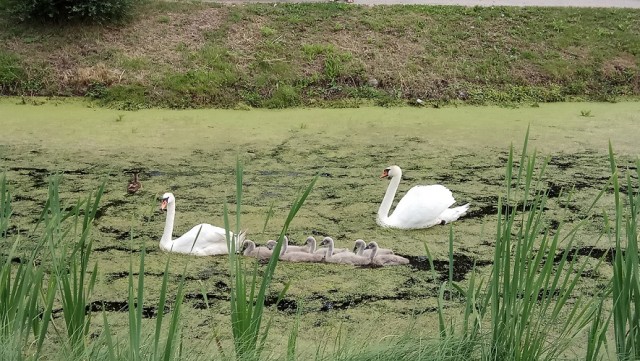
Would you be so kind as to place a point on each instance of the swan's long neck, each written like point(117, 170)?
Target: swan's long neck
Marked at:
point(165, 241)
point(312, 245)
point(385, 206)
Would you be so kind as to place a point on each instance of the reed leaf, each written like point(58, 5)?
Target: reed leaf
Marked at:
point(247, 298)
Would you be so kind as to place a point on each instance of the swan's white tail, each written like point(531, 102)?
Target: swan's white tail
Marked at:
point(452, 214)
point(239, 238)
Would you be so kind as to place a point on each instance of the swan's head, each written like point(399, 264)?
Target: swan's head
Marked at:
point(372, 245)
point(327, 241)
point(359, 245)
point(167, 198)
point(391, 172)
point(271, 243)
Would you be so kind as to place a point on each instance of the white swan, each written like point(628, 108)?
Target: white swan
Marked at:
point(384, 259)
point(202, 240)
point(360, 250)
point(421, 207)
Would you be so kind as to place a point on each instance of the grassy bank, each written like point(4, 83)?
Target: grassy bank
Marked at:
point(183, 55)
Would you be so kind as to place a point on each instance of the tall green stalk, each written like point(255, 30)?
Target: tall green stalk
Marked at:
point(247, 297)
point(529, 288)
point(26, 296)
point(70, 260)
point(163, 345)
point(626, 276)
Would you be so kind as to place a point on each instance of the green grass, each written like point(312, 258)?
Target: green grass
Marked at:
point(320, 53)
point(626, 274)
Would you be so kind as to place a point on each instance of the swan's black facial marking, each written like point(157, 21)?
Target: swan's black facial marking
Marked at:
point(385, 173)
point(443, 222)
point(164, 203)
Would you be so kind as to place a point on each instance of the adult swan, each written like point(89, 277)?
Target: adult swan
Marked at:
point(421, 207)
point(202, 240)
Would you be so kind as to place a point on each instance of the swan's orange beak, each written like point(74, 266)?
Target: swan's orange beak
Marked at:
point(385, 173)
point(163, 205)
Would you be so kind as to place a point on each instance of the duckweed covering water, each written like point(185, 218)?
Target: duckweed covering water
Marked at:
point(193, 153)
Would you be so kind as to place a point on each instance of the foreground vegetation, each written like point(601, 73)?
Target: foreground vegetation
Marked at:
point(528, 304)
point(184, 55)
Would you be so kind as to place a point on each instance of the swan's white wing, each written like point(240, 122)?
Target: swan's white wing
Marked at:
point(421, 207)
point(211, 240)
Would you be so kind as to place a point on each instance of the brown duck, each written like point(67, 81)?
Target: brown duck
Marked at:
point(134, 184)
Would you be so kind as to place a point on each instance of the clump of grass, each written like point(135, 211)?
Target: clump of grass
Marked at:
point(529, 287)
point(26, 296)
point(626, 267)
point(71, 264)
point(165, 343)
point(585, 113)
point(284, 96)
point(247, 297)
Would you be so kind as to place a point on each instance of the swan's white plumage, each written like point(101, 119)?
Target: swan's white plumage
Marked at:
point(201, 240)
point(421, 206)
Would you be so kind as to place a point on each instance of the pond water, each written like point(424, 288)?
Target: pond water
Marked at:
point(193, 154)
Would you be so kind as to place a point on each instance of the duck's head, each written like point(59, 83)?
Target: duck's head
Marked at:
point(167, 198)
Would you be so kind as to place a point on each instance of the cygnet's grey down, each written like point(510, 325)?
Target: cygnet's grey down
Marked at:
point(306, 248)
point(384, 259)
point(270, 244)
point(286, 255)
point(324, 250)
point(342, 257)
point(251, 250)
point(360, 250)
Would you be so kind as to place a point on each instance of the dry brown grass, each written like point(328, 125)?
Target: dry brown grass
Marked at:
point(427, 52)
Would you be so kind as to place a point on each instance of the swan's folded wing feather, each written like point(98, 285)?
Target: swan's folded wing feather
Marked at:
point(421, 206)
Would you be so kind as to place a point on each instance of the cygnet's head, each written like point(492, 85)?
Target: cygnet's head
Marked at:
point(247, 244)
point(360, 243)
point(372, 245)
point(310, 241)
point(326, 241)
